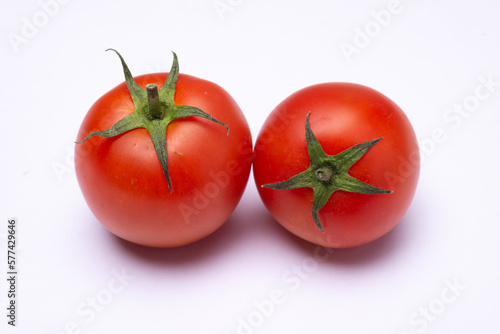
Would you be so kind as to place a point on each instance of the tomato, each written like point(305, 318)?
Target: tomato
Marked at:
point(337, 164)
point(167, 167)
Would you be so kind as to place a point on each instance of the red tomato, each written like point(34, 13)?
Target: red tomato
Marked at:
point(341, 118)
point(122, 179)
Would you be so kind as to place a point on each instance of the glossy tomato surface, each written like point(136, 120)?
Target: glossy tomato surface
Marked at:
point(341, 115)
point(122, 180)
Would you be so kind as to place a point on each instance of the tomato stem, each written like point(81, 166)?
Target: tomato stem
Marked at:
point(155, 108)
point(329, 173)
point(324, 174)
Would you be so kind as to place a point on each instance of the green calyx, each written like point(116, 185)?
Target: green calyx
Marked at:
point(329, 173)
point(153, 110)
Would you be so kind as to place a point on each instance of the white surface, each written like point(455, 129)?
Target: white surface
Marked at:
point(427, 58)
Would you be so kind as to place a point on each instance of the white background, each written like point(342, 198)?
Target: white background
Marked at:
point(436, 272)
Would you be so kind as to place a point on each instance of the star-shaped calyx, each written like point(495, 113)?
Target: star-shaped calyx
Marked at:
point(329, 173)
point(153, 110)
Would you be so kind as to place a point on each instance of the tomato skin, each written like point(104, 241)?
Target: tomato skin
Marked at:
point(341, 115)
point(122, 180)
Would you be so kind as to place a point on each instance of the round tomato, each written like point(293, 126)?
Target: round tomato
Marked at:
point(337, 164)
point(163, 159)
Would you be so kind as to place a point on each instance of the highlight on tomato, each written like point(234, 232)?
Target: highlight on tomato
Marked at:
point(163, 159)
point(337, 164)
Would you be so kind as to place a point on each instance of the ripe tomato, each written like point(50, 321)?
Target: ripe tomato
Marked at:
point(122, 167)
point(337, 164)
